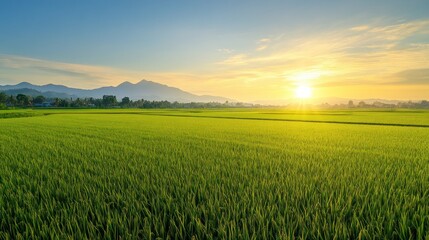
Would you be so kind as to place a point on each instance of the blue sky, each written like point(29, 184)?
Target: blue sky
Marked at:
point(183, 43)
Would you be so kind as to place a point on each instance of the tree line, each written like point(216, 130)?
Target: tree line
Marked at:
point(110, 101)
point(378, 104)
point(107, 101)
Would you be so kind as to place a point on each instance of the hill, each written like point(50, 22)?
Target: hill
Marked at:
point(142, 90)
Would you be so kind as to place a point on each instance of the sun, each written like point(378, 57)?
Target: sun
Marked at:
point(303, 92)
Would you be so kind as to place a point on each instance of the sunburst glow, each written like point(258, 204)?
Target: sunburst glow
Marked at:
point(303, 92)
point(305, 76)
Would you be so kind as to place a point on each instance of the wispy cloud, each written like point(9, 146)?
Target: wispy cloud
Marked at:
point(262, 47)
point(412, 76)
point(238, 59)
point(263, 44)
point(360, 28)
point(365, 55)
point(39, 71)
point(15, 69)
point(225, 50)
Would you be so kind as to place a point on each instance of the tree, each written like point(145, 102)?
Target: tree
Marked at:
point(350, 104)
point(77, 103)
point(23, 100)
point(63, 103)
point(125, 101)
point(39, 99)
point(56, 102)
point(362, 104)
point(3, 97)
point(11, 100)
point(109, 100)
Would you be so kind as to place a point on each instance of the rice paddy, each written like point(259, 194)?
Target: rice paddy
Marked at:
point(206, 174)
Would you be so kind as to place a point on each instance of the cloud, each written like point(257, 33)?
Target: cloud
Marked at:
point(412, 76)
point(263, 44)
point(225, 50)
point(38, 70)
point(15, 69)
point(360, 28)
point(65, 72)
point(363, 55)
point(238, 59)
point(400, 31)
point(260, 48)
point(353, 61)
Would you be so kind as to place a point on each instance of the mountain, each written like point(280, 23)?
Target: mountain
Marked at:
point(35, 93)
point(144, 89)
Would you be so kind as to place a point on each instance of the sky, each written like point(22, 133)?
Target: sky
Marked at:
point(245, 50)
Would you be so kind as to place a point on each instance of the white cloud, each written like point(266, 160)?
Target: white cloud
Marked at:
point(263, 44)
point(225, 50)
point(360, 28)
point(238, 59)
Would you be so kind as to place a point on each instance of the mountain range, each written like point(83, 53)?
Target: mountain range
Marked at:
point(144, 89)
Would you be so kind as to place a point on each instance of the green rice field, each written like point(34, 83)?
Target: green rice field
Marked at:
point(214, 174)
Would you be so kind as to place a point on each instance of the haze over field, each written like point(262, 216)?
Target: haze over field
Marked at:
point(266, 51)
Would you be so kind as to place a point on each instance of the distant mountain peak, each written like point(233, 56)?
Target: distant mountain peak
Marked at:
point(126, 83)
point(143, 81)
point(54, 85)
point(24, 84)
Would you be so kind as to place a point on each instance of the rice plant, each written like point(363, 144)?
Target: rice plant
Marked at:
point(213, 175)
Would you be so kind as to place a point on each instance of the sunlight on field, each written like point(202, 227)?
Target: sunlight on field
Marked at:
point(227, 174)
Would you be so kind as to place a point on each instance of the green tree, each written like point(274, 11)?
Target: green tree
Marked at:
point(63, 103)
point(3, 97)
point(109, 100)
point(125, 101)
point(77, 103)
point(57, 102)
point(23, 100)
point(11, 100)
point(39, 99)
